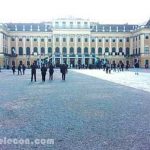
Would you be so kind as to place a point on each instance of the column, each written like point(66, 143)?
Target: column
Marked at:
point(117, 44)
point(1, 42)
point(46, 46)
point(131, 45)
point(75, 52)
point(39, 46)
point(68, 51)
point(124, 45)
point(61, 56)
point(110, 48)
point(9, 47)
point(53, 50)
point(96, 47)
point(103, 45)
point(82, 49)
point(24, 45)
point(142, 43)
point(16, 46)
point(39, 50)
point(31, 40)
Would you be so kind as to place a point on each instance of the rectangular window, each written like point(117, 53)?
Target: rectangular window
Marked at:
point(12, 39)
point(146, 50)
point(93, 40)
point(100, 40)
point(146, 37)
point(64, 39)
point(28, 40)
point(113, 40)
point(127, 39)
point(79, 40)
point(20, 39)
point(71, 39)
point(57, 39)
point(35, 40)
point(106, 40)
point(42, 40)
point(120, 40)
point(86, 39)
point(49, 40)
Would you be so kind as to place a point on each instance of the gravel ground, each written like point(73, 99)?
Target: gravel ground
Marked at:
point(81, 113)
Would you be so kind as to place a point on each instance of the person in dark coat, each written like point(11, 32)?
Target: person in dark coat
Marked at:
point(33, 72)
point(63, 70)
point(13, 69)
point(43, 72)
point(19, 69)
point(51, 71)
point(23, 68)
point(136, 65)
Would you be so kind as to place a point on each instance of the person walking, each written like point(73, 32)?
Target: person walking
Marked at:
point(63, 70)
point(51, 71)
point(19, 69)
point(23, 68)
point(33, 72)
point(43, 72)
point(13, 69)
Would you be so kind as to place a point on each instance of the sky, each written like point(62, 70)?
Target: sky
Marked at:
point(103, 11)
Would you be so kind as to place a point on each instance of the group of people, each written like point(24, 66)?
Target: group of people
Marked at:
point(21, 69)
point(63, 70)
point(108, 66)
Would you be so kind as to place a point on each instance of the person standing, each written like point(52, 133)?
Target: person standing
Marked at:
point(43, 72)
point(136, 65)
point(33, 72)
point(23, 68)
point(51, 71)
point(19, 69)
point(13, 69)
point(63, 70)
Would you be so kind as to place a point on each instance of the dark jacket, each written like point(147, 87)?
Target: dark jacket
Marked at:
point(43, 70)
point(63, 69)
point(51, 69)
point(33, 68)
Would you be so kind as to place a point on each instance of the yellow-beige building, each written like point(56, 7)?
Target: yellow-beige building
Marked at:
point(73, 41)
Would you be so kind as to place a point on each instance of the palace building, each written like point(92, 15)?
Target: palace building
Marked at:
point(73, 41)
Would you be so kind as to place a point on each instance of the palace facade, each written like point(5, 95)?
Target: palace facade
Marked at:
point(73, 41)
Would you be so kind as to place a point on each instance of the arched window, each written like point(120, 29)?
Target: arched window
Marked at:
point(92, 50)
point(113, 49)
point(49, 50)
point(120, 50)
point(71, 50)
point(35, 50)
point(79, 50)
point(100, 51)
point(85, 50)
point(42, 50)
point(13, 50)
point(57, 50)
point(127, 51)
point(106, 50)
point(64, 50)
point(20, 51)
point(28, 51)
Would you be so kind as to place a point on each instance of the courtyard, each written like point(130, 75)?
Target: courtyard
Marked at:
point(91, 110)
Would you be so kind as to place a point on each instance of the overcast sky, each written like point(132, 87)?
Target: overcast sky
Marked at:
point(103, 11)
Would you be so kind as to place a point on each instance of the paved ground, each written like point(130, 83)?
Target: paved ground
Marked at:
point(82, 113)
point(126, 78)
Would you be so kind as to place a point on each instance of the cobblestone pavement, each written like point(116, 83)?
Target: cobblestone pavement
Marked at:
point(81, 113)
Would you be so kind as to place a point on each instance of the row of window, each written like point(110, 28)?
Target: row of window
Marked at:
point(71, 51)
point(138, 38)
point(72, 40)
